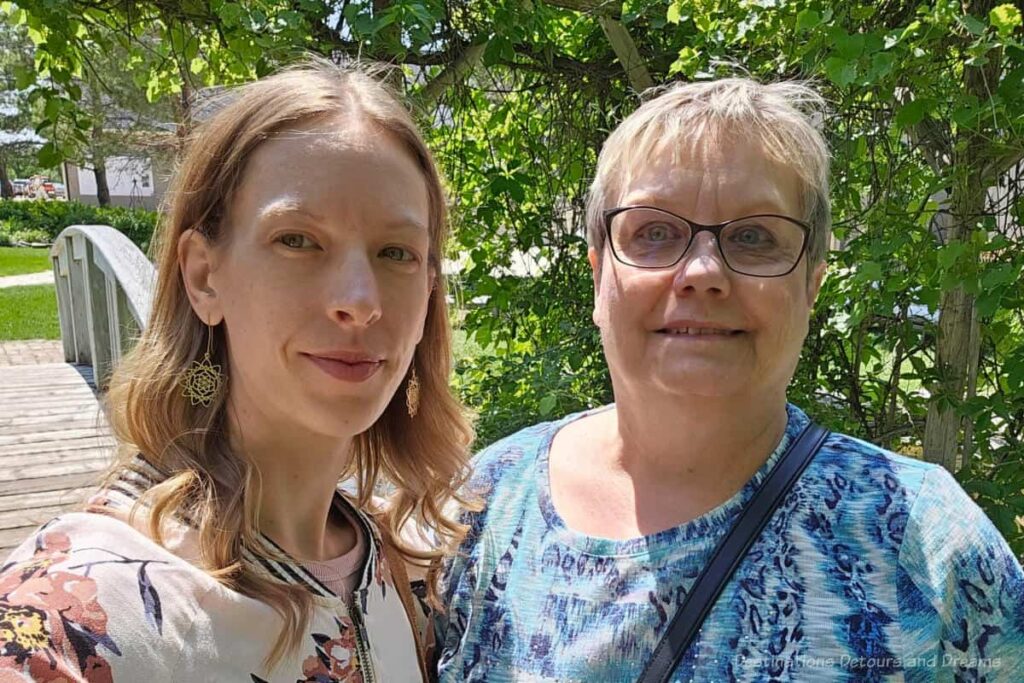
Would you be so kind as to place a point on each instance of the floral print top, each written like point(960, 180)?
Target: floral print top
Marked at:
point(90, 598)
point(875, 567)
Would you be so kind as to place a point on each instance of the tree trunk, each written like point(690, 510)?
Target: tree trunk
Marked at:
point(99, 165)
point(183, 107)
point(956, 347)
point(942, 428)
point(6, 188)
point(956, 350)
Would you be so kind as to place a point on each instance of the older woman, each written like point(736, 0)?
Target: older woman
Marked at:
point(708, 227)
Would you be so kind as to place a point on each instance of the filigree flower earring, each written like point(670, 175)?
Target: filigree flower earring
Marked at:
point(412, 394)
point(202, 381)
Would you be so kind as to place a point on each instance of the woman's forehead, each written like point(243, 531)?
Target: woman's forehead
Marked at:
point(733, 170)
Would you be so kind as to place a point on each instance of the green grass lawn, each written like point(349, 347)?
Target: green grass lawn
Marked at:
point(21, 260)
point(29, 313)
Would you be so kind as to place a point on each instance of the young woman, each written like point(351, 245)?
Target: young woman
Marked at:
point(299, 337)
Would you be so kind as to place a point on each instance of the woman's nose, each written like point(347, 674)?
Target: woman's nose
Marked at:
point(702, 268)
point(355, 292)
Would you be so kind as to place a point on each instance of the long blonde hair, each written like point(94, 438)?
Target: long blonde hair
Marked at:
point(422, 458)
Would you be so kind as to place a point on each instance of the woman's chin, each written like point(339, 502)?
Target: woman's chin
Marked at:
point(342, 418)
point(702, 382)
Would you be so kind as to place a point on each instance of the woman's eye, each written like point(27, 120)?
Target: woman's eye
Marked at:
point(752, 236)
point(656, 233)
point(397, 254)
point(294, 240)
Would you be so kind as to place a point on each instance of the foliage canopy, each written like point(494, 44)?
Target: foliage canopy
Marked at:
point(917, 342)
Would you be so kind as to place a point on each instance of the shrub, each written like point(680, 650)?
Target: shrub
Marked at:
point(34, 221)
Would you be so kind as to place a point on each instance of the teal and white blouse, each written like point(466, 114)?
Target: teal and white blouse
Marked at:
point(876, 567)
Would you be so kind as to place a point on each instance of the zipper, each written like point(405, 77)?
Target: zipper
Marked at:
point(362, 644)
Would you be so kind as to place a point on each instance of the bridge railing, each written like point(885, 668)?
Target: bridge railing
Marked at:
point(104, 292)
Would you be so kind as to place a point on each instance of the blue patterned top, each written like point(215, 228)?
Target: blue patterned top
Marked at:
point(876, 567)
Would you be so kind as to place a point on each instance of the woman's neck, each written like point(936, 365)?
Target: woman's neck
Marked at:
point(700, 442)
point(298, 473)
point(655, 464)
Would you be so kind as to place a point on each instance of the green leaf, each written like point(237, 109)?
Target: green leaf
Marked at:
point(850, 46)
point(687, 63)
point(881, 65)
point(973, 24)
point(807, 19)
point(231, 14)
point(840, 71)
point(705, 24)
point(1005, 18)
point(547, 404)
point(912, 113)
point(197, 66)
point(870, 271)
point(48, 155)
point(574, 172)
point(949, 254)
point(52, 108)
point(1002, 274)
point(674, 15)
point(23, 77)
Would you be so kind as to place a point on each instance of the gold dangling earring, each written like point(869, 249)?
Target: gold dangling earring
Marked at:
point(202, 381)
point(412, 394)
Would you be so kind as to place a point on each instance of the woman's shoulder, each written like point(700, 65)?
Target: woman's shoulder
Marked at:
point(927, 514)
point(860, 457)
point(503, 462)
point(87, 592)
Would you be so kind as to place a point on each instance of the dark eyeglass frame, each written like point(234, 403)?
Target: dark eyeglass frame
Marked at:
point(695, 229)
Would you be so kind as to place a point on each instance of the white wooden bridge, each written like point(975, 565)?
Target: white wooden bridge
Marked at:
point(55, 442)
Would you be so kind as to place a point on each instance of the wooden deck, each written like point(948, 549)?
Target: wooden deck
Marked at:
point(54, 444)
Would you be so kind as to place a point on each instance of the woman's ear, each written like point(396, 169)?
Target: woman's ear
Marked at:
point(196, 261)
point(814, 283)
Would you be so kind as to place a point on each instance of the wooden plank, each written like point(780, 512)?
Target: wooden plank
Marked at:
point(19, 461)
point(12, 538)
point(50, 435)
point(58, 446)
point(56, 423)
point(97, 464)
point(12, 395)
point(55, 483)
point(44, 415)
point(28, 373)
point(52, 367)
point(55, 445)
point(40, 499)
point(69, 404)
point(17, 519)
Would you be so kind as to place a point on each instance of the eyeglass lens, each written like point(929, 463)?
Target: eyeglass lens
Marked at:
point(756, 245)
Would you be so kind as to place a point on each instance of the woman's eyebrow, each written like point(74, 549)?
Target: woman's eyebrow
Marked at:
point(405, 224)
point(288, 207)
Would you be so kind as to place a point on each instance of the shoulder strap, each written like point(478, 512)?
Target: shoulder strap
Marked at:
point(400, 579)
point(729, 553)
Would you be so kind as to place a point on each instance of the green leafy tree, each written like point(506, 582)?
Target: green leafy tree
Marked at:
point(16, 130)
point(917, 340)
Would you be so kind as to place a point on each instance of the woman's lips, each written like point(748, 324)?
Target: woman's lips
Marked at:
point(347, 371)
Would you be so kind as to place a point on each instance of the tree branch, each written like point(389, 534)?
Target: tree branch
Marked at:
point(452, 74)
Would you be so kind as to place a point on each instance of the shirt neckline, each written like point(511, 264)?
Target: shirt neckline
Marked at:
point(700, 531)
point(273, 561)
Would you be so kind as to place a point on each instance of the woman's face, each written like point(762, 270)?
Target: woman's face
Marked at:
point(322, 277)
point(647, 317)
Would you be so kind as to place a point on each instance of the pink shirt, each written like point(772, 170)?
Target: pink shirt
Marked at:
point(341, 574)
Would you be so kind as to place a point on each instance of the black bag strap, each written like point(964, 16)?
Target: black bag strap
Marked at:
point(729, 553)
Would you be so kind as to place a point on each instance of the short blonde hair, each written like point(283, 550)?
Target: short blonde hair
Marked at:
point(424, 459)
point(783, 117)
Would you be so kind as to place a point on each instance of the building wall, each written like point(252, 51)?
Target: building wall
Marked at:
point(133, 183)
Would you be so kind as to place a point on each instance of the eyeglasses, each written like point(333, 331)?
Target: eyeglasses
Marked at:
point(765, 245)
